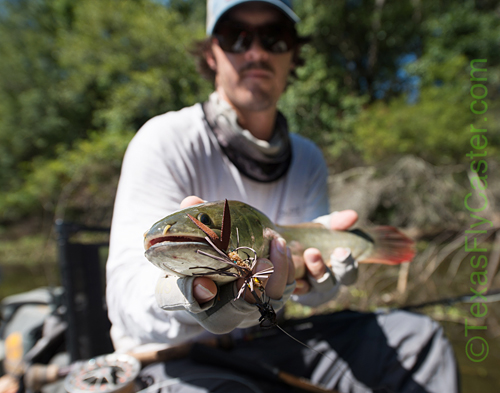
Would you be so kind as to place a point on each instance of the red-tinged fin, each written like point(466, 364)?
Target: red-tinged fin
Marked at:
point(392, 247)
point(225, 230)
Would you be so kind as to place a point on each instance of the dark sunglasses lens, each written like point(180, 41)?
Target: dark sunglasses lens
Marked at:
point(238, 39)
point(276, 39)
point(233, 39)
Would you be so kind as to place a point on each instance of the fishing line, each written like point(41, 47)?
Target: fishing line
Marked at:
point(304, 344)
point(268, 314)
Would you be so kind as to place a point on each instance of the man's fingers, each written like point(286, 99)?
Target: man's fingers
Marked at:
point(284, 272)
point(316, 268)
point(343, 220)
point(340, 254)
point(204, 289)
point(190, 201)
point(343, 265)
point(299, 265)
point(283, 268)
point(291, 267)
point(314, 263)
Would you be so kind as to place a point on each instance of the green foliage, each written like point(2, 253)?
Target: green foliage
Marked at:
point(75, 185)
point(355, 48)
point(133, 57)
point(435, 128)
point(354, 60)
point(469, 28)
point(28, 251)
point(69, 67)
point(313, 104)
point(31, 114)
point(77, 78)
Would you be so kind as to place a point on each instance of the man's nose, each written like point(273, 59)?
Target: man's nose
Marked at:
point(256, 52)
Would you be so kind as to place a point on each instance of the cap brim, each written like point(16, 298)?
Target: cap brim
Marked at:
point(279, 4)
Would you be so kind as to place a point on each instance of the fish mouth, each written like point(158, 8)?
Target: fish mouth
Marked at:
point(179, 255)
point(174, 239)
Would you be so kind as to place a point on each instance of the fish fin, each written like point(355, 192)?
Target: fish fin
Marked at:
point(225, 230)
point(392, 247)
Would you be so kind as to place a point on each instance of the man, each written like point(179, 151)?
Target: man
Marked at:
point(236, 146)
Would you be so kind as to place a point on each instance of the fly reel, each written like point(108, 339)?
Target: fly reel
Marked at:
point(113, 373)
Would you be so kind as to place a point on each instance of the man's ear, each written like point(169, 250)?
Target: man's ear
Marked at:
point(209, 57)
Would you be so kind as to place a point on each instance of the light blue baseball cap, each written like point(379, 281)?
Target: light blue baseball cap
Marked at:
point(217, 8)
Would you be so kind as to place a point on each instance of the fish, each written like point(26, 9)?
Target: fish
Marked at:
point(189, 241)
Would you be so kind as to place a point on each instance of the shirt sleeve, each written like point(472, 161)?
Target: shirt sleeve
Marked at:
point(315, 181)
point(150, 188)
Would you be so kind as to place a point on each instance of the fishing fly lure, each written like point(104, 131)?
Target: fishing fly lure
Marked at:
point(244, 267)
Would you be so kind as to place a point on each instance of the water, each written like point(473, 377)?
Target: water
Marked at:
point(481, 376)
point(21, 278)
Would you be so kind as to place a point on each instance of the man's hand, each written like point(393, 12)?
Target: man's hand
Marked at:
point(312, 260)
point(204, 289)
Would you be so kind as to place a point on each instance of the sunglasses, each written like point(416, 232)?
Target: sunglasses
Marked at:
point(236, 37)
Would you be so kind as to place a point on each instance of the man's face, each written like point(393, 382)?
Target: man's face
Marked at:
point(255, 79)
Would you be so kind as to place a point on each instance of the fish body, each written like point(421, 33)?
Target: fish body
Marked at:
point(172, 244)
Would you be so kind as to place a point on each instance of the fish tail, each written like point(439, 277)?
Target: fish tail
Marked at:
point(392, 247)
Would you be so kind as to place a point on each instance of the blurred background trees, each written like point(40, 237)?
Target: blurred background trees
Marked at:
point(383, 79)
point(77, 79)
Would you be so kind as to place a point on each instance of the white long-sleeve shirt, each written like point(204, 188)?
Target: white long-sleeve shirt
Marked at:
point(172, 156)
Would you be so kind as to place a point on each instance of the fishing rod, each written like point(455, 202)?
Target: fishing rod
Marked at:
point(491, 296)
point(82, 376)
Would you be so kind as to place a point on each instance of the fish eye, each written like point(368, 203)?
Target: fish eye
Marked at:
point(204, 218)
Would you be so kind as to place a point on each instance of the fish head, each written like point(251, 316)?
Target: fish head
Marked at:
point(179, 228)
point(173, 243)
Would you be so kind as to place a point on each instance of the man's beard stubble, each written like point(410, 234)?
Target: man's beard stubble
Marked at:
point(263, 99)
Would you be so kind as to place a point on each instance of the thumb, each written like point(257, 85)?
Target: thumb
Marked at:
point(343, 220)
point(204, 289)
